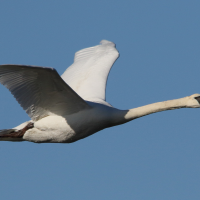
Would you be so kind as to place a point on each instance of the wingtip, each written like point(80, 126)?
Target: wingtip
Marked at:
point(106, 42)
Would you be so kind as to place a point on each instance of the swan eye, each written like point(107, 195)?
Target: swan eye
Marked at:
point(198, 99)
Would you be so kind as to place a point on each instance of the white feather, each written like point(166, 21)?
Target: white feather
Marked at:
point(87, 76)
point(40, 91)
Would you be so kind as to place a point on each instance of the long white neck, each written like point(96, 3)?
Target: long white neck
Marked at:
point(186, 102)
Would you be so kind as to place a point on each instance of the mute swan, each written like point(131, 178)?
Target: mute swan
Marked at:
point(71, 107)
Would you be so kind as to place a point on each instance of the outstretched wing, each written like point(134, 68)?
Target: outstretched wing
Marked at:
point(87, 76)
point(40, 91)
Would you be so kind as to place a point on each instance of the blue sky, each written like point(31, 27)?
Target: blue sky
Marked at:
point(154, 157)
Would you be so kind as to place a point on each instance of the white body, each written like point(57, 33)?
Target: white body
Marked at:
point(66, 129)
point(73, 107)
point(73, 127)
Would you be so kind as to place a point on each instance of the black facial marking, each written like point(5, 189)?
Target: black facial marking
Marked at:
point(198, 99)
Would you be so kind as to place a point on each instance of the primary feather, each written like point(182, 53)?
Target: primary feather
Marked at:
point(40, 91)
point(87, 76)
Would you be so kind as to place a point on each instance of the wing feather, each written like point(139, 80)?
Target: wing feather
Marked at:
point(87, 76)
point(40, 91)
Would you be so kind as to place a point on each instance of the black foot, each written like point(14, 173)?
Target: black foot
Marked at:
point(29, 125)
point(17, 133)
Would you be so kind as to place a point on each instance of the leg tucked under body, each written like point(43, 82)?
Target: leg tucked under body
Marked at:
point(14, 133)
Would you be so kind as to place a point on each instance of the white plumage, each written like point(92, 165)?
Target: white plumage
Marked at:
point(72, 107)
point(87, 76)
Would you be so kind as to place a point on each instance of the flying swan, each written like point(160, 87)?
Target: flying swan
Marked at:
point(71, 107)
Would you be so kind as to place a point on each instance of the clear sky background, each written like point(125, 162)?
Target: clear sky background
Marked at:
point(156, 157)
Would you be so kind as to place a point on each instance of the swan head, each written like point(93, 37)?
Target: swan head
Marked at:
point(193, 101)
